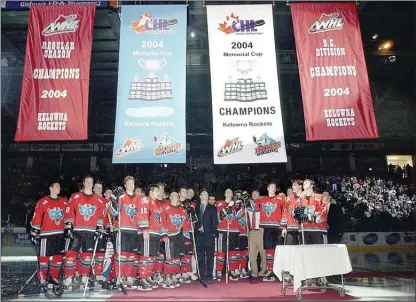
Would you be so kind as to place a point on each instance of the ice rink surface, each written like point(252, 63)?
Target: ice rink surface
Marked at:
point(377, 276)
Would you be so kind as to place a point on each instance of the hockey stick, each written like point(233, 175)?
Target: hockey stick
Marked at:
point(227, 269)
point(195, 254)
point(92, 266)
point(15, 295)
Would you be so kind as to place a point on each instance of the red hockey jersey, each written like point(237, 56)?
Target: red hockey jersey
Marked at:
point(288, 221)
point(128, 220)
point(85, 212)
point(317, 209)
point(271, 210)
point(49, 216)
point(176, 220)
point(150, 216)
point(232, 218)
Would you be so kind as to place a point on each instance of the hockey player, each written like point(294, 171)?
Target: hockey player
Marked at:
point(48, 230)
point(316, 210)
point(161, 203)
point(271, 209)
point(227, 214)
point(83, 223)
point(289, 226)
point(240, 203)
point(127, 206)
point(188, 273)
point(102, 242)
point(176, 218)
point(151, 223)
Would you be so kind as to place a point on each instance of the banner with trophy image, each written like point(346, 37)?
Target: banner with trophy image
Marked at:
point(150, 116)
point(247, 120)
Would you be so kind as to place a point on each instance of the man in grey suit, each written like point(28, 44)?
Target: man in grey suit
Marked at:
point(205, 233)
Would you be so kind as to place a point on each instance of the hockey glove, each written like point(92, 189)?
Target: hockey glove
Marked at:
point(98, 233)
point(68, 233)
point(34, 236)
point(111, 236)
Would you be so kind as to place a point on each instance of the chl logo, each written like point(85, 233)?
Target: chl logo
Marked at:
point(62, 25)
point(326, 23)
point(233, 24)
point(147, 23)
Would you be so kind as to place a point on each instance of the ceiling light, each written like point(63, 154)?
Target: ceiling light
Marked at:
point(375, 36)
point(192, 34)
point(386, 45)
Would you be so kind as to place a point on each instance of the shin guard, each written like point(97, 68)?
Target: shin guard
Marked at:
point(70, 263)
point(172, 266)
point(243, 259)
point(186, 266)
point(55, 266)
point(270, 259)
point(43, 268)
point(145, 265)
point(121, 263)
point(134, 272)
point(84, 265)
point(233, 261)
point(99, 263)
point(220, 263)
point(158, 267)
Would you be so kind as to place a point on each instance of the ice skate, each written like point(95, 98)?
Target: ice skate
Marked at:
point(234, 276)
point(144, 286)
point(185, 278)
point(244, 274)
point(168, 283)
point(152, 283)
point(157, 278)
point(269, 277)
point(193, 276)
point(175, 282)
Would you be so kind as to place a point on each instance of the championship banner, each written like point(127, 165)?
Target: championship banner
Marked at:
point(336, 92)
point(150, 117)
point(247, 120)
point(54, 99)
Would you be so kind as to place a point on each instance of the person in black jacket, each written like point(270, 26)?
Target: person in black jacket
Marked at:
point(205, 232)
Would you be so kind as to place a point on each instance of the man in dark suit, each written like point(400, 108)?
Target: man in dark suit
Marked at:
point(205, 232)
point(335, 223)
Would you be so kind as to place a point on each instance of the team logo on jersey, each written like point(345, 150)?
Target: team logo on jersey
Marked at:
point(157, 216)
point(177, 220)
point(309, 210)
point(242, 222)
point(87, 210)
point(230, 216)
point(292, 210)
point(56, 214)
point(269, 208)
point(130, 210)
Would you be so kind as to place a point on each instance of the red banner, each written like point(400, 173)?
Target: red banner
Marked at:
point(336, 93)
point(54, 100)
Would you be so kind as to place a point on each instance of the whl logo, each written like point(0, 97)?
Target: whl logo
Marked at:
point(130, 145)
point(327, 23)
point(148, 24)
point(231, 146)
point(233, 24)
point(62, 25)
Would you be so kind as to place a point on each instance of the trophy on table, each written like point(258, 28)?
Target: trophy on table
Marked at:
point(245, 89)
point(151, 88)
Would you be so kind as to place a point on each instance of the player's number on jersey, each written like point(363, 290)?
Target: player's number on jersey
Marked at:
point(53, 94)
point(143, 210)
point(67, 209)
point(152, 44)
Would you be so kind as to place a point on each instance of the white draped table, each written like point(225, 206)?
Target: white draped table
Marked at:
point(311, 261)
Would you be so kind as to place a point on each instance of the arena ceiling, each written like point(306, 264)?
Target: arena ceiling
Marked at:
point(389, 71)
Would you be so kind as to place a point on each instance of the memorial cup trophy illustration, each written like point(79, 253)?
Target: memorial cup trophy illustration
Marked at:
point(245, 89)
point(151, 88)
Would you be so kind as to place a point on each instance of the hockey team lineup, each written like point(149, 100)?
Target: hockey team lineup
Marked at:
point(121, 239)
